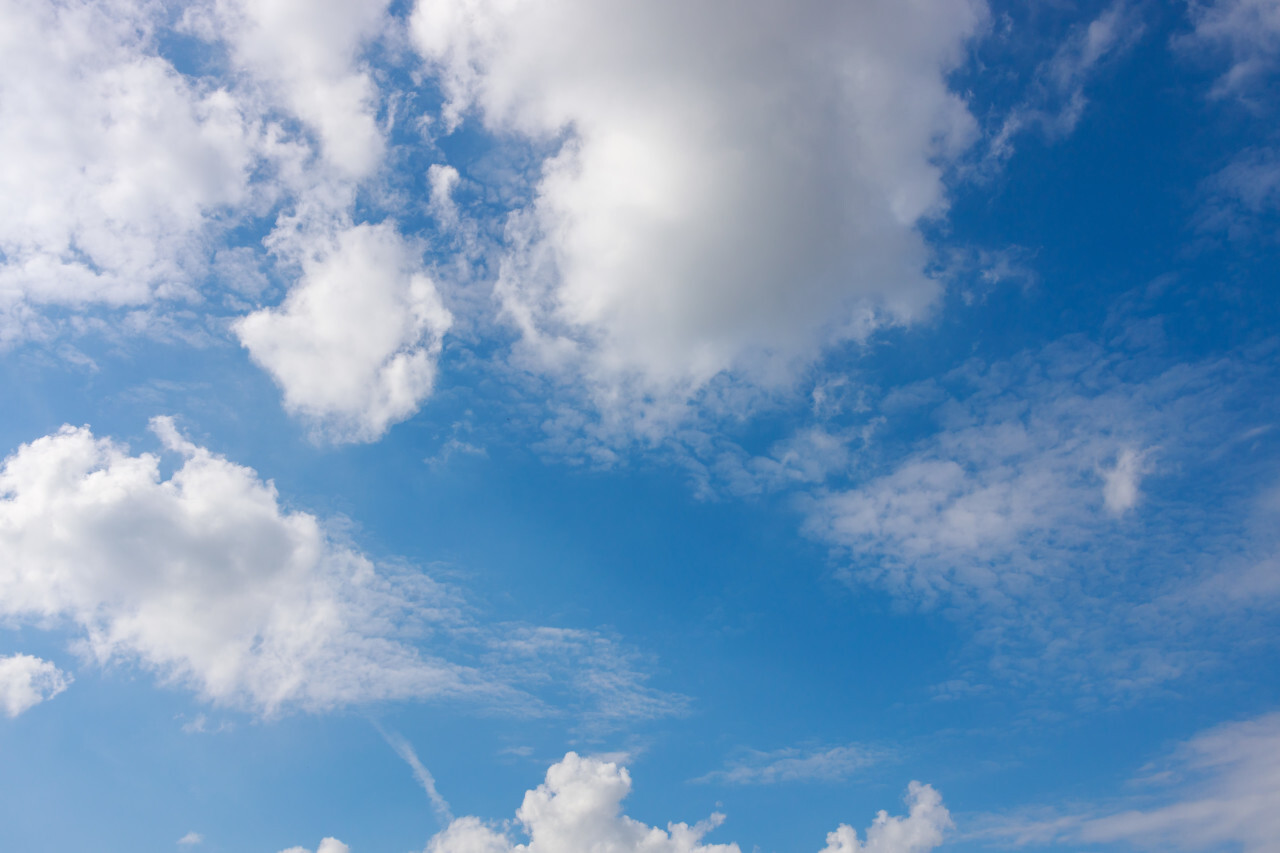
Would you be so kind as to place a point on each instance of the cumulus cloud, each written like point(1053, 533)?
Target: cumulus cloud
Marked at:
point(307, 56)
point(1222, 787)
point(354, 346)
point(579, 809)
point(204, 578)
point(327, 845)
point(831, 764)
point(122, 162)
point(191, 838)
point(737, 185)
point(26, 681)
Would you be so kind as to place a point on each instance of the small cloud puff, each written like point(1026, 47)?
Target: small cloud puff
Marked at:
point(328, 845)
point(26, 681)
point(1121, 481)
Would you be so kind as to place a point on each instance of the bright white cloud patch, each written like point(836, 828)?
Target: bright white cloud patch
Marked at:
point(739, 183)
point(307, 56)
point(201, 576)
point(1120, 482)
point(119, 160)
point(328, 845)
point(191, 838)
point(921, 830)
point(355, 344)
point(26, 681)
point(204, 578)
point(579, 809)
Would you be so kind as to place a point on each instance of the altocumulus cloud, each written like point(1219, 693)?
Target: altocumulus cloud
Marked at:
point(205, 579)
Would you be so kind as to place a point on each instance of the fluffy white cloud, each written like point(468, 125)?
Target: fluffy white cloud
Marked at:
point(202, 577)
point(354, 345)
point(120, 161)
point(738, 184)
point(205, 579)
point(578, 809)
point(1222, 788)
point(26, 681)
point(919, 831)
point(190, 838)
point(307, 57)
point(327, 845)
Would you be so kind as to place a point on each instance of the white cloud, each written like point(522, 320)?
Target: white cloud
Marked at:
point(122, 163)
point(1026, 515)
point(1240, 197)
point(1225, 786)
point(1120, 482)
point(405, 750)
point(1248, 31)
point(737, 185)
point(205, 579)
point(190, 838)
point(354, 346)
point(1057, 99)
point(579, 809)
point(327, 845)
point(795, 765)
point(920, 831)
point(26, 681)
point(307, 55)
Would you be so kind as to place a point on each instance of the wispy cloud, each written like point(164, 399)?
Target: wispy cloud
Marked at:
point(1247, 32)
point(405, 750)
point(796, 764)
point(1056, 99)
point(262, 608)
point(1041, 511)
point(1221, 787)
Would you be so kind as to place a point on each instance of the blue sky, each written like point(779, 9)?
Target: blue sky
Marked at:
point(473, 426)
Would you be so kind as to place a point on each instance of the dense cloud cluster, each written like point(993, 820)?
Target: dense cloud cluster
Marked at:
point(715, 209)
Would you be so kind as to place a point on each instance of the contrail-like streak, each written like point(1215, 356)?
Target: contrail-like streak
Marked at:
point(428, 782)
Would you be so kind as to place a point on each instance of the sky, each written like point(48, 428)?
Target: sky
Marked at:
point(599, 426)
